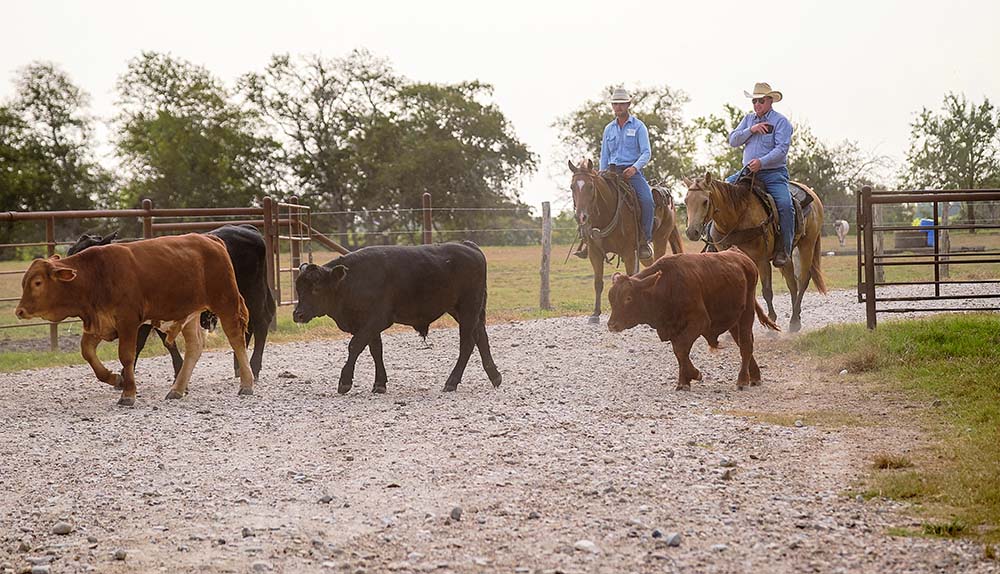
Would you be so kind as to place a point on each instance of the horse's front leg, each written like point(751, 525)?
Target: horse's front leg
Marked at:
point(766, 289)
point(597, 262)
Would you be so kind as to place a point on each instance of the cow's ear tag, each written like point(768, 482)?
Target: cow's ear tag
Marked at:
point(64, 274)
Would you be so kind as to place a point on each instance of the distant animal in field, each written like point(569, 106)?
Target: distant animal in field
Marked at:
point(842, 227)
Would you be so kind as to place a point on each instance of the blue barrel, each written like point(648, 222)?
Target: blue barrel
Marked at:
point(930, 232)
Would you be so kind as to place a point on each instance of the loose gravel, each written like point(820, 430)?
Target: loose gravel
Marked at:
point(585, 460)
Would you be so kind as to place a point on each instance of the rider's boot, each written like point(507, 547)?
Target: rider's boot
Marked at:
point(780, 258)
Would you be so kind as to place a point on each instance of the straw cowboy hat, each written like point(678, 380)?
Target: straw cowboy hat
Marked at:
point(620, 96)
point(762, 90)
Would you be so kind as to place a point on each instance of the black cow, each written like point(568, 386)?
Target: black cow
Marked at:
point(368, 290)
point(248, 254)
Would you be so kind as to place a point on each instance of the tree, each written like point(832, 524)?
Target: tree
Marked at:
point(958, 148)
point(723, 159)
point(48, 144)
point(671, 141)
point(359, 137)
point(183, 143)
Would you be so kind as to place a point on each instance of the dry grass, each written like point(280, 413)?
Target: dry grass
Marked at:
point(886, 460)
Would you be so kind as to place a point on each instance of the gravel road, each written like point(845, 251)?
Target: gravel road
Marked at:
point(584, 460)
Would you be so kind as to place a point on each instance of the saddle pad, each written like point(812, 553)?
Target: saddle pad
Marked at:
point(799, 193)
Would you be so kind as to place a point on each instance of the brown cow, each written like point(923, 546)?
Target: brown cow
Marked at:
point(167, 281)
point(687, 296)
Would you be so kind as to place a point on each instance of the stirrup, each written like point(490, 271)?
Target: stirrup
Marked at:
point(780, 259)
point(582, 252)
point(645, 251)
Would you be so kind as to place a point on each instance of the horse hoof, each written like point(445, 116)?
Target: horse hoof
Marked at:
point(245, 392)
point(119, 383)
point(794, 327)
point(126, 401)
point(174, 394)
point(594, 319)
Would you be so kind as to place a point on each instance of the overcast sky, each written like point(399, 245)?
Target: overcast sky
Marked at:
point(851, 69)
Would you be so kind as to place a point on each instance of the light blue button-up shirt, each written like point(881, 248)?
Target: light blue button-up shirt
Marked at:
point(625, 146)
point(771, 149)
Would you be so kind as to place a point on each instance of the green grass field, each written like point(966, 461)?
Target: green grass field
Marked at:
point(514, 280)
point(951, 363)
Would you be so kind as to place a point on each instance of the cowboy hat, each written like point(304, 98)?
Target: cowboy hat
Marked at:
point(620, 96)
point(763, 90)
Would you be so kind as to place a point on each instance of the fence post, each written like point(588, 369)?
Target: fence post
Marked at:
point(945, 240)
point(50, 239)
point(147, 220)
point(543, 296)
point(427, 218)
point(269, 244)
point(866, 206)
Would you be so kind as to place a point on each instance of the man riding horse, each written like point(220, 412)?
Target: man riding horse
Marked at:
point(767, 135)
point(625, 151)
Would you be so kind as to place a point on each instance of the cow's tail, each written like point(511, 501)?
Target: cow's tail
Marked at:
point(815, 269)
point(243, 315)
point(763, 318)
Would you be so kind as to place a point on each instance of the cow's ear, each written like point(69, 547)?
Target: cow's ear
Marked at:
point(64, 274)
point(338, 274)
point(648, 282)
point(618, 277)
point(54, 257)
point(108, 238)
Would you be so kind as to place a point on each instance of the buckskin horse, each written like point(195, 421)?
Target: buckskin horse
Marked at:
point(740, 219)
point(608, 220)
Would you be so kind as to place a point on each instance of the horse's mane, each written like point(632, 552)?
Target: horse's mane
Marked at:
point(737, 194)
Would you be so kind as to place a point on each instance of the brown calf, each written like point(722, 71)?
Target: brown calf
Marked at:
point(167, 281)
point(687, 296)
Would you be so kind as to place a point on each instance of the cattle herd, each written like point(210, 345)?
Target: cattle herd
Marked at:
point(181, 285)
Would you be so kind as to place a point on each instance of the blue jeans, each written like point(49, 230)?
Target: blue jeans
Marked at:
point(776, 181)
point(645, 196)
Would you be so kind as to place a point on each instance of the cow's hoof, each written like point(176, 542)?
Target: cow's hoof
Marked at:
point(740, 387)
point(174, 394)
point(450, 388)
point(686, 387)
point(379, 389)
point(245, 392)
point(495, 378)
point(594, 319)
point(754, 383)
point(794, 327)
point(126, 401)
point(342, 389)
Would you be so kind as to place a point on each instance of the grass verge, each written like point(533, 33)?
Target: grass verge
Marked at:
point(952, 364)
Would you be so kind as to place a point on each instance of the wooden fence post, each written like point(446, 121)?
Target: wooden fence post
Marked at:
point(294, 229)
point(427, 219)
point(543, 296)
point(147, 220)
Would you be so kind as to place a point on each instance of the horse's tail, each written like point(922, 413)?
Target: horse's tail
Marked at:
point(815, 269)
point(763, 318)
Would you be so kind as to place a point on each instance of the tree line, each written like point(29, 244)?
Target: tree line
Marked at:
point(350, 134)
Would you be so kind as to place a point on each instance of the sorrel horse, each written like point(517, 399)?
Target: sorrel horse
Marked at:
point(740, 220)
point(609, 224)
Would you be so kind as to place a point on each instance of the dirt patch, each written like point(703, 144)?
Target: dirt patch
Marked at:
point(584, 460)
